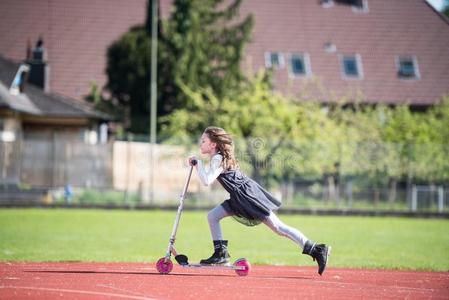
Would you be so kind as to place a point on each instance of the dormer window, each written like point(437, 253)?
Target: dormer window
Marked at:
point(360, 6)
point(352, 66)
point(300, 65)
point(274, 60)
point(407, 67)
point(327, 3)
point(18, 84)
point(357, 5)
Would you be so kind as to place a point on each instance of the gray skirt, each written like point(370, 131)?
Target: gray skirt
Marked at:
point(249, 203)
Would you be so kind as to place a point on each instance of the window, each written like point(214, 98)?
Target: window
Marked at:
point(407, 67)
point(330, 47)
point(360, 6)
point(274, 60)
point(352, 66)
point(300, 64)
point(327, 3)
point(357, 5)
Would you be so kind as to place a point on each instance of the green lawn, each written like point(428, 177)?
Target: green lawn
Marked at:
point(142, 236)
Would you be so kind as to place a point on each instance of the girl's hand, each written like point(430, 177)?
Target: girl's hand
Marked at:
point(193, 160)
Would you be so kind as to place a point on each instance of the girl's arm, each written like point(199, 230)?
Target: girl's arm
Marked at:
point(215, 169)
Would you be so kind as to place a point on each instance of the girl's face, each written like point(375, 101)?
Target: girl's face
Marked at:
point(207, 146)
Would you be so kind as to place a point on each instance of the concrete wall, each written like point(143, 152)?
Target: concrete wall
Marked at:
point(132, 169)
point(132, 165)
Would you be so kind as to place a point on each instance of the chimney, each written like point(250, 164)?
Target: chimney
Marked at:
point(38, 62)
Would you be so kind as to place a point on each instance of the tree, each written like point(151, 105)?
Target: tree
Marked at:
point(445, 10)
point(128, 77)
point(437, 162)
point(128, 70)
point(419, 144)
point(196, 47)
point(112, 109)
point(269, 129)
point(203, 48)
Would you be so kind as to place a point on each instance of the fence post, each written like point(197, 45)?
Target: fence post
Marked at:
point(128, 162)
point(440, 199)
point(414, 203)
point(349, 193)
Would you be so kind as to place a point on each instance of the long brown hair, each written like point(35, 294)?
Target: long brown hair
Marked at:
point(225, 146)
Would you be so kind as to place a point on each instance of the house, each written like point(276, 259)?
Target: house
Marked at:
point(372, 51)
point(38, 128)
point(26, 110)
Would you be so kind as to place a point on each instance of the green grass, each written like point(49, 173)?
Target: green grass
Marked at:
point(142, 236)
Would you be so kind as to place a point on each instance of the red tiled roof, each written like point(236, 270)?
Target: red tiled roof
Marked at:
point(390, 28)
point(77, 34)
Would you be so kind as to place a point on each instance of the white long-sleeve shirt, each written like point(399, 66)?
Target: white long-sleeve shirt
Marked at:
point(207, 176)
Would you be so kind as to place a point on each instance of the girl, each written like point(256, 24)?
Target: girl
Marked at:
point(249, 203)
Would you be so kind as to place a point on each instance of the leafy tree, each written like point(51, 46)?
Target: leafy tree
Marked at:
point(437, 162)
point(372, 159)
point(203, 48)
point(446, 8)
point(200, 45)
point(280, 140)
point(128, 77)
point(418, 139)
point(103, 104)
point(269, 129)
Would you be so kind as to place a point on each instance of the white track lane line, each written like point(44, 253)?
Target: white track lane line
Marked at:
point(120, 290)
point(75, 292)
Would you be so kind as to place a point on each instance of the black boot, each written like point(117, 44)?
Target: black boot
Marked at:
point(220, 256)
point(319, 252)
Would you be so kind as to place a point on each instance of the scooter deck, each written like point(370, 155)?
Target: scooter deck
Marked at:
point(226, 266)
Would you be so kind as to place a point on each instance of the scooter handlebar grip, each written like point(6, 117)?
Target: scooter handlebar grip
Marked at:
point(193, 162)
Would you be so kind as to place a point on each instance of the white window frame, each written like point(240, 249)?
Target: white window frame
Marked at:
point(356, 9)
point(268, 60)
point(363, 9)
point(413, 58)
point(307, 65)
point(327, 3)
point(358, 60)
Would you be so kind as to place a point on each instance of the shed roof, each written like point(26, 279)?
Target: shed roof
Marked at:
point(35, 101)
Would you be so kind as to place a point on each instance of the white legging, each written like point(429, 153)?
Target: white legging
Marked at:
point(215, 215)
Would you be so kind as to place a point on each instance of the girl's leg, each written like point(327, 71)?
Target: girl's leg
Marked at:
point(214, 216)
point(220, 255)
point(282, 229)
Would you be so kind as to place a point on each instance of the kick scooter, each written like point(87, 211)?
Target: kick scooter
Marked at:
point(164, 265)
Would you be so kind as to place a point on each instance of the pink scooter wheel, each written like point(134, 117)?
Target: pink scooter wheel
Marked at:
point(163, 266)
point(242, 262)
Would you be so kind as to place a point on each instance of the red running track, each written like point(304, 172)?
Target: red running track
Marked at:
point(142, 281)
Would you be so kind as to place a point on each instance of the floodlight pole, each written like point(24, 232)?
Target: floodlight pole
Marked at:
point(153, 98)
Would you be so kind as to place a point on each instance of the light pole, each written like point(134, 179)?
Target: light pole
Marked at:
point(153, 87)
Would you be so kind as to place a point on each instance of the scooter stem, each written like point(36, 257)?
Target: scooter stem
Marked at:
point(178, 214)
